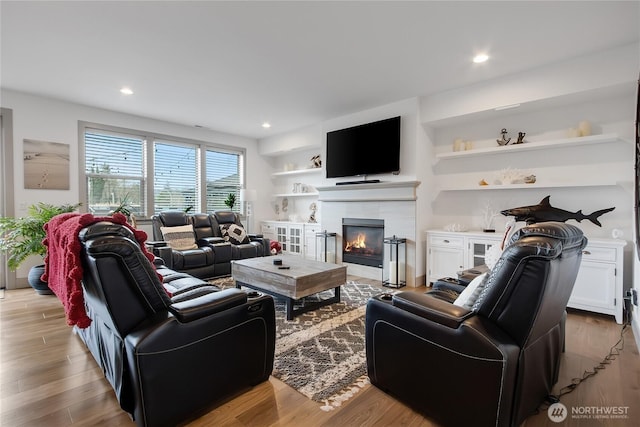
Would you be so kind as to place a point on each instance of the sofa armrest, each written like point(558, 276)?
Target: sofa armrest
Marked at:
point(205, 305)
point(205, 241)
point(166, 254)
point(156, 243)
point(431, 308)
point(264, 241)
point(206, 361)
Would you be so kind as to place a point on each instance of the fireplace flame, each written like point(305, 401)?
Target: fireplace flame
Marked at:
point(358, 243)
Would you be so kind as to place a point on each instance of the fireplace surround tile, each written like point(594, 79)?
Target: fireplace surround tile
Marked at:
point(399, 219)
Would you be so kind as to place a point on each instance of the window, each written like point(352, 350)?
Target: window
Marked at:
point(153, 173)
point(222, 178)
point(114, 174)
point(175, 180)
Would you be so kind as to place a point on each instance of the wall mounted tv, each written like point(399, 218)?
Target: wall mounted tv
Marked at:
point(368, 149)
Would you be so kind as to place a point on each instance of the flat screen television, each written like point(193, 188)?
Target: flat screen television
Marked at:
point(368, 149)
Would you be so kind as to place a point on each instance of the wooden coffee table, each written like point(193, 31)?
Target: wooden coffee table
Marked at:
point(304, 277)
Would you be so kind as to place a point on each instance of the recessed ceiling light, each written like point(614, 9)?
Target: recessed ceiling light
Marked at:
point(482, 57)
point(126, 91)
point(266, 125)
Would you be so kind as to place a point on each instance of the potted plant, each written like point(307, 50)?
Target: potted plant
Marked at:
point(230, 201)
point(125, 208)
point(22, 237)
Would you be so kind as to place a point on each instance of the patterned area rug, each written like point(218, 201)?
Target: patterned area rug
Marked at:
point(321, 353)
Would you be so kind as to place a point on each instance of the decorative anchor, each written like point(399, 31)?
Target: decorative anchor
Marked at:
point(504, 140)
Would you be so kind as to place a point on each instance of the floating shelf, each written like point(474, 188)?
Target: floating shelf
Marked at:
point(297, 172)
point(531, 146)
point(308, 194)
point(476, 187)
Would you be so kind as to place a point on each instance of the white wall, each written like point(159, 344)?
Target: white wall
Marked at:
point(426, 128)
point(599, 88)
point(306, 138)
point(553, 98)
point(45, 119)
point(298, 146)
point(578, 75)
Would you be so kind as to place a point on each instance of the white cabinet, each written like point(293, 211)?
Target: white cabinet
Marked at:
point(290, 237)
point(598, 287)
point(296, 238)
point(310, 231)
point(288, 234)
point(268, 230)
point(477, 248)
point(449, 252)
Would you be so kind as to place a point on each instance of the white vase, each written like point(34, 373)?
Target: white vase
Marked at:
point(584, 128)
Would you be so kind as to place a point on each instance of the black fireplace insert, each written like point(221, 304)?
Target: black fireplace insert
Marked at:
point(362, 241)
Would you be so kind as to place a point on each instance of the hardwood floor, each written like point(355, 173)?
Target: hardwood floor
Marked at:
point(48, 378)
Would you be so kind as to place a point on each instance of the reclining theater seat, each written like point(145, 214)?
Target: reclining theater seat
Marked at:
point(492, 365)
point(254, 244)
point(184, 253)
point(169, 359)
point(208, 253)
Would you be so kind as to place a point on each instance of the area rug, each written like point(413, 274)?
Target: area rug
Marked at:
point(321, 353)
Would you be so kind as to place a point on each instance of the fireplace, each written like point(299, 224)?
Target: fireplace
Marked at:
point(362, 241)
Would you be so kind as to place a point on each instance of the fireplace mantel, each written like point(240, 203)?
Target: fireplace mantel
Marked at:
point(370, 192)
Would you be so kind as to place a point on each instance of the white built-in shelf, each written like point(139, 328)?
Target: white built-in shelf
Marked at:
point(530, 146)
point(584, 183)
point(308, 194)
point(297, 172)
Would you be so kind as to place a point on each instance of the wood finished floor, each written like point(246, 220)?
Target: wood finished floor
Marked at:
point(48, 378)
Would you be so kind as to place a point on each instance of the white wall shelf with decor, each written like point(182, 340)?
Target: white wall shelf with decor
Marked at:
point(283, 179)
point(307, 194)
point(297, 172)
point(585, 173)
point(500, 187)
point(530, 146)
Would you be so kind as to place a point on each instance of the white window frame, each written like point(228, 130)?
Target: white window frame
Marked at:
point(150, 138)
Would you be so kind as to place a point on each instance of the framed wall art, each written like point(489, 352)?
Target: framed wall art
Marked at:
point(46, 165)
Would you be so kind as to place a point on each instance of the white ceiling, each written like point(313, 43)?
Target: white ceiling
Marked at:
point(229, 66)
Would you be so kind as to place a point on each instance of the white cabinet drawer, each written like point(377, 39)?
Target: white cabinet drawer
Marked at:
point(599, 254)
point(268, 228)
point(448, 241)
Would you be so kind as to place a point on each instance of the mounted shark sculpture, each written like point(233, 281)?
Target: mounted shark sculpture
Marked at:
point(543, 211)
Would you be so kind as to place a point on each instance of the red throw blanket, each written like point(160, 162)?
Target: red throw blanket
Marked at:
point(62, 264)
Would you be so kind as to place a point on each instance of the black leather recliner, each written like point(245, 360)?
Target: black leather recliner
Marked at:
point(169, 359)
point(258, 245)
point(213, 256)
point(492, 365)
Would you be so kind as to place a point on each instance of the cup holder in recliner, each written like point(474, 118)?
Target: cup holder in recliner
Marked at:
point(386, 297)
point(253, 294)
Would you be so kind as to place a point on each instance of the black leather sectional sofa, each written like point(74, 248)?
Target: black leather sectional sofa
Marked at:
point(212, 253)
point(171, 346)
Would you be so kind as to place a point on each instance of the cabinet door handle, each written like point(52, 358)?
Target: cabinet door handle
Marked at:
point(586, 253)
point(445, 241)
